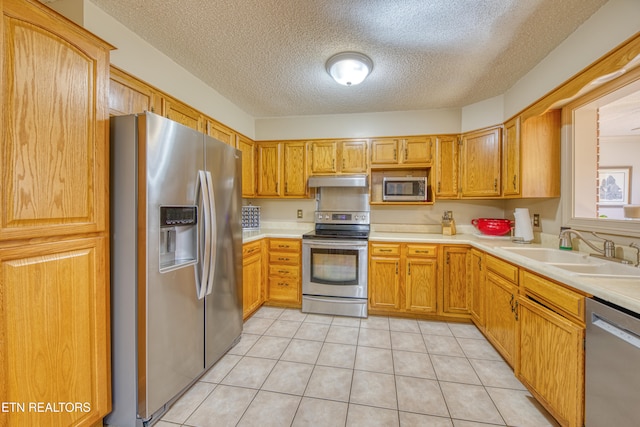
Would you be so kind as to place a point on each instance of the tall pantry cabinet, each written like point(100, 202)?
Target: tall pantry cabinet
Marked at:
point(54, 281)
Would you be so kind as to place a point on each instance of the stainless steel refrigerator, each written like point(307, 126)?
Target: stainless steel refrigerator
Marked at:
point(176, 261)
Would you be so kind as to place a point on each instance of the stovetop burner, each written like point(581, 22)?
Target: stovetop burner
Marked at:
point(340, 225)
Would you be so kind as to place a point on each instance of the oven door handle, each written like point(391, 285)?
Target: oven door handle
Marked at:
point(333, 243)
point(335, 300)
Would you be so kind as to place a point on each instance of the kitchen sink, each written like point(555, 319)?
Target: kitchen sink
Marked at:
point(552, 256)
point(603, 269)
point(577, 263)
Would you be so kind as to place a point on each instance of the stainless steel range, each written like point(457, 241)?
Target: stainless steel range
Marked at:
point(335, 254)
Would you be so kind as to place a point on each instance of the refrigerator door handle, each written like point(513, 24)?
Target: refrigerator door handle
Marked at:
point(204, 258)
point(213, 234)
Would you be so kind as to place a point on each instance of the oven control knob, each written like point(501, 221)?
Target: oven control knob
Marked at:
point(319, 216)
point(326, 216)
point(357, 217)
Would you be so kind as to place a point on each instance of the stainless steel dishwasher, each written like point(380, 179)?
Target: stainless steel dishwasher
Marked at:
point(612, 361)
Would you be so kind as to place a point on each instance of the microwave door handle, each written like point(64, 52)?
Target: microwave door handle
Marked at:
point(213, 234)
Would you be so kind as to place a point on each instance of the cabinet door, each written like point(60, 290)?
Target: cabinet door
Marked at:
point(354, 156)
point(511, 158)
point(447, 164)
point(323, 156)
point(417, 149)
point(268, 169)
point(421, 279)
point(54, 133)
point(551, 361)
point(247, 147)
point(220, 132)
point(480, 163)
point(54, 324)
point(455, 285)
point(500, 322)
point(252, 277)
point(183, 114)
point(384, 283)
point(295, 169)
point(477, 286)
point(128, 95)
point(384, 151)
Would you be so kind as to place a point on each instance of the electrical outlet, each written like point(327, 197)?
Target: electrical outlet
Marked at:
point(299, 213)
point(536, 220)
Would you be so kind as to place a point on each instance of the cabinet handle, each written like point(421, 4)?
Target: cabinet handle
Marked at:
point(495, 184)
point(395, 155)
point(283, 272)
point(419, 251)
point(480, 264)
point(515, 310)
point(514, 181)
point(396, 268)
point(384, 250)
point(282, 284)
point(333, 164)
point(286, 187)
point(406, 154)
point(409, 269)
point(284, 246)
point(438, 186)
point(511, 303)
point(448, 258)
point(283, 259)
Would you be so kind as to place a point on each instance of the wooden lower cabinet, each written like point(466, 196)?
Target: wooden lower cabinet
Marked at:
point(500, 321)
point(54, 333)
point(455, 281)
point(284, 279)
point(252, 278)
point(403, 278)
point(477, 287)
point(551, 361)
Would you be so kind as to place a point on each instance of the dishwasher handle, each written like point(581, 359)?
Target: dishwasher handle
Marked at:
point(623, 334)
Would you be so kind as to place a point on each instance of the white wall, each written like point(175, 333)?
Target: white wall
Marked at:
point(142, 60)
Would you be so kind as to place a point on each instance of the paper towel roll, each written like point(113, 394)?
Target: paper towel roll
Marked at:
point(524, 229)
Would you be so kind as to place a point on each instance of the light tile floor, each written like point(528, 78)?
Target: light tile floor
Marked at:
point(294, 369)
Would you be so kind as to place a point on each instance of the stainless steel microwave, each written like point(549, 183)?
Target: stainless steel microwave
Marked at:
point(404, 189)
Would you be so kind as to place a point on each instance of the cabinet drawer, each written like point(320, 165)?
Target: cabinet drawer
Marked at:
point(554, 295)
point(421, 250)
point(385, 249)
point(284, 270)
point(284, 245)
point(252, 248)
point(284, 258)
point(502, 268)
point(283, 289)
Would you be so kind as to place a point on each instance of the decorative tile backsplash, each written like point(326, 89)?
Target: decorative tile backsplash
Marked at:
point(251, 217)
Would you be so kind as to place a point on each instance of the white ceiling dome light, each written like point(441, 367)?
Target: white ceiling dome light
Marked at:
point(349, 68)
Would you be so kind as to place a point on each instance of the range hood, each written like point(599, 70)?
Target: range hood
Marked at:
point(338, 181)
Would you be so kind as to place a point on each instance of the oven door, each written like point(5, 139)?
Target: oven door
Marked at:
point(334, 268)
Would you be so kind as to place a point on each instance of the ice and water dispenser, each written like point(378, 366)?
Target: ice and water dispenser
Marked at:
point(178, 236)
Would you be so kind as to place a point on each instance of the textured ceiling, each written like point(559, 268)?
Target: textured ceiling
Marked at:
point(268, 56)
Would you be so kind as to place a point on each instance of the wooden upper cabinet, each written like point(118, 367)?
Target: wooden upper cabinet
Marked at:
point(128, 95)
point(353, 156)
point(55, 118)
point(220, 132)
point(331, 157)
point(531, 156)
point(415, 150)
point(480, 163)
point(511, 158)
point(294, 167)
point(183, 114)
point(447, 167)
point(248, 149)
point(269, 171)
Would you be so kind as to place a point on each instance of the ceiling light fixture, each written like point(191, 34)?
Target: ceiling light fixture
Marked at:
point(349, 68)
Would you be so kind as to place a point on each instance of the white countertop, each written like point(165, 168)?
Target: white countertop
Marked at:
point(624, 292)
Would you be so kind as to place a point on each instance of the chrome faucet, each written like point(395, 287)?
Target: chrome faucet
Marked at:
point(607, 252)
